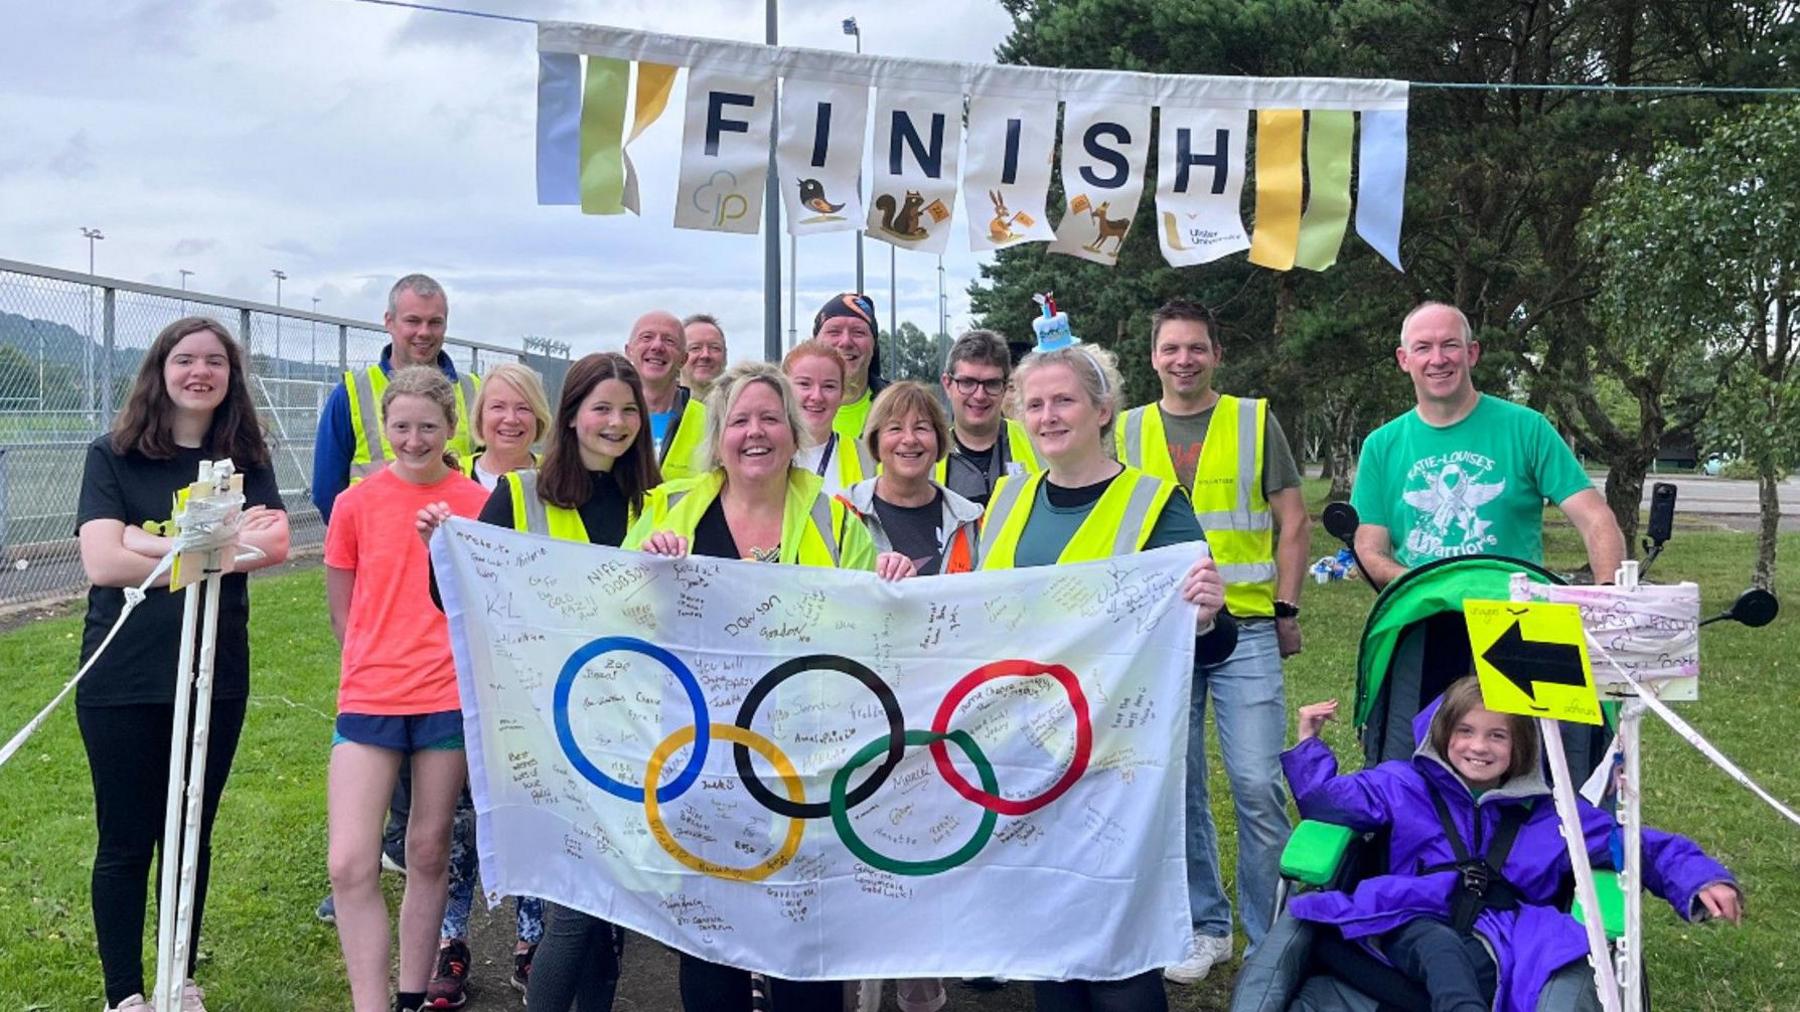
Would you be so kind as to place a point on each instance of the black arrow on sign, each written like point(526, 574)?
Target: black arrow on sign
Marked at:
point(1525, 661)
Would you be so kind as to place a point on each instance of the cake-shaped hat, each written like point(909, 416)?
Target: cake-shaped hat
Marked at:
point(1052, 328)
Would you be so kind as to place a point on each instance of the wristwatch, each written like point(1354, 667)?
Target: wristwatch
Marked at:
point(1286, 609)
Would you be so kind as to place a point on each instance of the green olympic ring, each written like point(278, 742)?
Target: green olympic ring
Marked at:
point(840, 813)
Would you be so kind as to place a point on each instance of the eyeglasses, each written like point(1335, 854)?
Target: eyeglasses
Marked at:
point(966, 385)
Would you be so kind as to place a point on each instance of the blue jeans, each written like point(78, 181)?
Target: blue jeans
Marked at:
point(463, 863)
point(1251, 709)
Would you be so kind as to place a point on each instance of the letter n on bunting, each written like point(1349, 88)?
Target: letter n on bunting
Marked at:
point(1102, 176)
point(917, 134)
point(724, 151)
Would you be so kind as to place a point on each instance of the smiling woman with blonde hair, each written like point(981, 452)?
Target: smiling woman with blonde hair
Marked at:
point(510, 414)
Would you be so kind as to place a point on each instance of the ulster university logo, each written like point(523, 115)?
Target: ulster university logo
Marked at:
point(1448, 493)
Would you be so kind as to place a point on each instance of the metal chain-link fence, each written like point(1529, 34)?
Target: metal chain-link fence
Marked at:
point(70, 348)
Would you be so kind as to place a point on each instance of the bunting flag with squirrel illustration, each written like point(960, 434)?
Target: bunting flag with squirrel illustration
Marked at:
point(1311, 138)
point(917, 137)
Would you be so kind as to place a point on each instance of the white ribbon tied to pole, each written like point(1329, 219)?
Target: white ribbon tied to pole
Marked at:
point(203, 525)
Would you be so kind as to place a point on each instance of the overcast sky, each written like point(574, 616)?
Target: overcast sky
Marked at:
point(347, 143)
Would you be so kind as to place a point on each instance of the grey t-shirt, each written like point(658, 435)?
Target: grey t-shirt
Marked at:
point(1187, 433)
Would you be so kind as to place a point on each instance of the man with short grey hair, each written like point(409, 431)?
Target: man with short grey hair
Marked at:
point(350, 446)
point(705, 351)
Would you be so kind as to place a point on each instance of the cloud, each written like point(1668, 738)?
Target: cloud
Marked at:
point(75, 160)
point(193, 247)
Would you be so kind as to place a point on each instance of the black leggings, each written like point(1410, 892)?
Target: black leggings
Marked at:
point(576, 962)
point(1142, 993)
point(128, 757)
point(706, 987)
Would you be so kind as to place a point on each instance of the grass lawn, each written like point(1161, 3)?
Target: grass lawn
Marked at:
point(262, 949)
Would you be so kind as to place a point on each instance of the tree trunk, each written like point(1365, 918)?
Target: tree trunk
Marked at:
point(1768, 498)
point(1625, 491)
point(1341, 456)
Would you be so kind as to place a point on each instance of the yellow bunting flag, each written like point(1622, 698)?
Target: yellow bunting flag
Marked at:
point(1328, 140)
point(654, 82)
point(602, 135)
point(1279, 182)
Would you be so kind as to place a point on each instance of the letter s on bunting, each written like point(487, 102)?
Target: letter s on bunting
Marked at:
point(724, 151)
point(1102, 176)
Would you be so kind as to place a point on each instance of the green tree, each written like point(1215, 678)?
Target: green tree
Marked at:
point(912, 354)
point(1704, 248)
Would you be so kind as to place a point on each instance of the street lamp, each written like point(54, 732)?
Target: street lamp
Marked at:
point(92, 235)
point(851, 28)
point(279, 278)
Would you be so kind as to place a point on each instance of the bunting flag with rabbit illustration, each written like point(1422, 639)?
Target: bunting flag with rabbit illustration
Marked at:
point(1309, 137)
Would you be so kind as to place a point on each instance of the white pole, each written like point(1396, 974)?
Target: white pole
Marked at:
point(196, 788)
point(1630, 955)
point(1564, 793)
point(168, 998)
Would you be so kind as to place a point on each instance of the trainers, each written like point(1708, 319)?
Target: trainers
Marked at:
point(447, 989)
point(925, 995)
point(521, 978)
point(133, 1003)
point(393, 857)
point(1203, 952)
point(327, 911)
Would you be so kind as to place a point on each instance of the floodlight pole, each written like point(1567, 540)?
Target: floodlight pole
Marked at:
point(772, 220)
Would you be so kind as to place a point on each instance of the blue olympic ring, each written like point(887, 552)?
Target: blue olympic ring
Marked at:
point(565, 683)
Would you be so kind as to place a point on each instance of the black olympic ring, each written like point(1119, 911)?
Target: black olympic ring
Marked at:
point(890, 704)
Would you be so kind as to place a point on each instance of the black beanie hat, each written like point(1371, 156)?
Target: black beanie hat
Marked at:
point(853, 304)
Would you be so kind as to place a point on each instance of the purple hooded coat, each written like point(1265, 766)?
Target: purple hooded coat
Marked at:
point(1393, 794)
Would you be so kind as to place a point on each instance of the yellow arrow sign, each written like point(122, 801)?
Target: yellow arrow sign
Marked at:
point(1531, 658)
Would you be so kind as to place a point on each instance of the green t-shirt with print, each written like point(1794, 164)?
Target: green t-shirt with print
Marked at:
point(1475, 486)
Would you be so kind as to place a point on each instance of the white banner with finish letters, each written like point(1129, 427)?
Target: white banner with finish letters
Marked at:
point(818, 775)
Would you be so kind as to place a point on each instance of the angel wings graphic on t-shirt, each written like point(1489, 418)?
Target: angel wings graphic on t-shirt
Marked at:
point(1449, 508)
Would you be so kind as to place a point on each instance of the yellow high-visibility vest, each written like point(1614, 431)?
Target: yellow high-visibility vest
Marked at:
point(532, 515)
point(1228, 492)
point(852, 460)
point(816, 529)
point(1018, 450)
point(1119, 524)
point(365, 387)
point(680, 451)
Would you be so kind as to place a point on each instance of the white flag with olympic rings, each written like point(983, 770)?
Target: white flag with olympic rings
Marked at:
point(817, 775)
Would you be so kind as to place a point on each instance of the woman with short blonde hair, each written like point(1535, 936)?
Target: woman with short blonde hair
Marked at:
point(509, 415)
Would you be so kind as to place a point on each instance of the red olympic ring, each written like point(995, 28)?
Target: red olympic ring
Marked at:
point(1084, 735)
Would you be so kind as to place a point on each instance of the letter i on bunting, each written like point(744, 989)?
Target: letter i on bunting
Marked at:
point(1200, 184)
point(724, 151)
point(1279, 182)
point(917, 135)
point(818, 155)
point(1006, 182)
point(1103, 178)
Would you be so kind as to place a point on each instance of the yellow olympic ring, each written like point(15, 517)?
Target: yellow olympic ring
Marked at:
point(790, 778)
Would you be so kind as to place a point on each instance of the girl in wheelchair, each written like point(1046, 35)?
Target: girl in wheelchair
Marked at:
point(1476, 859)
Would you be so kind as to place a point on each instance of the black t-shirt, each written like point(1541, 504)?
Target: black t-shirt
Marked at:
point(604, 513)
point(712, 535)
point(915, 531)
point(139, 666)
point(970, 473)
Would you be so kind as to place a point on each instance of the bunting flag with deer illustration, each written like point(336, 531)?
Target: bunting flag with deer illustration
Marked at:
point(1312, 137)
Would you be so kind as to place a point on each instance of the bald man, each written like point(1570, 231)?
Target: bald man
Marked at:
point(677, 420)
point(1464, 472)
